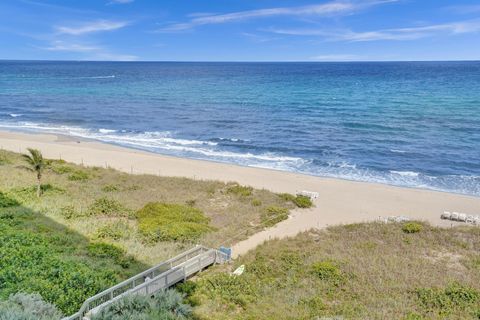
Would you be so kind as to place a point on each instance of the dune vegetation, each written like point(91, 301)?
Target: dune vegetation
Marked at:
point(92, 227)
point(361, 271)
point(108, 205)
point(84, 229)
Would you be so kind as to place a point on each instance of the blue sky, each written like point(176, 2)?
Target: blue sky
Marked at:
point(240, 30)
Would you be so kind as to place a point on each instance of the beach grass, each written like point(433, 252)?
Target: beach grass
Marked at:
point(102, 203)
point(358, 271)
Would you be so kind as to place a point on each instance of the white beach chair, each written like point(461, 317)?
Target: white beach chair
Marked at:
point(391, 219)
point(454, 216)
point(476, 220)
point(310, 194)
point(469, 219)
point(462, 217)
point(446, 215)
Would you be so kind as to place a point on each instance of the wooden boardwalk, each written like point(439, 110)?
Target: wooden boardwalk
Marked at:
point(153, 280)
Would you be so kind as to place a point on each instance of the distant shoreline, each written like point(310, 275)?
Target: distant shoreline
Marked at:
point(339, 202)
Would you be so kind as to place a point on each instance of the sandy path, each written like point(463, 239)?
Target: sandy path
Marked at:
point(340, 201)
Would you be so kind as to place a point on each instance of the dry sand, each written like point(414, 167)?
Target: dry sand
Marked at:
point(339, 201)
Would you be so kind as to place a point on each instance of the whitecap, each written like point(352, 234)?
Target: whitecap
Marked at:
point(405, 173)
point(15, 115)
point(106, 130)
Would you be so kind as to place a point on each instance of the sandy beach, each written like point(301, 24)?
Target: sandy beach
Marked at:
point(339, 201)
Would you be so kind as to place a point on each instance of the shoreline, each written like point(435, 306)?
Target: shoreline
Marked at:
point(339, 202)
point(70, 138)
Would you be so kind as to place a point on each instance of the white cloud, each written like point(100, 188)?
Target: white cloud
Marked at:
point(413, 33)
point(89, 52)
point(90, 27)
point(71, 47)
point(325, 9)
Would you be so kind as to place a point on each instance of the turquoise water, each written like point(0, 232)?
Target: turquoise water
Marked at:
point(414, 124)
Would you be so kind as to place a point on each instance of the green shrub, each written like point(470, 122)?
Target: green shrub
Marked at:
point(5, 158)
point(314, 304)
point(413, 316)
point(116, 231)
point(241, 191)
point(30, 193)
point(107, 207)
point(191, 203)
point(273, 215)
point(110, 188)
point(328, 271)
point(69, 212)
point(188, 289)
point(165, 305)
point(256, 202)
point(61, 168)
point(287, 197)
point(444, 301)
point(238, 291)
point(162, 221)
point(107, 250)
point(40, 262)
point(6, 201)
point(23, 306)
point(302, 201)
point(412, 227)
point(78, 175)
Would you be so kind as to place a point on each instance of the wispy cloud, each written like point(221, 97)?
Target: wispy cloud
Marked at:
point(325, 9)
point(88, 52)
point(90, 27)
point(257, 37)
point(71, 47)
point(412, 33)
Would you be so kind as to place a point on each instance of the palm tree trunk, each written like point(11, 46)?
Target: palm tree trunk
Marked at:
point(39, 186)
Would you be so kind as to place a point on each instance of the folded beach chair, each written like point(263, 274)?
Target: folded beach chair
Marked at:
point(446, 215)
point(476, 220)
point(310, 194)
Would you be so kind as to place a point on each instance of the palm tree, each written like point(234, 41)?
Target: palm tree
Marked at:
point(36, 164)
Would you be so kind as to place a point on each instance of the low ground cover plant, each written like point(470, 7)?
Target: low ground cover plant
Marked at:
point(165, 305)
point(359, 271)
point(163, 221)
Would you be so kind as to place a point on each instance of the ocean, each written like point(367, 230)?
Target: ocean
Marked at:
point(413, 124)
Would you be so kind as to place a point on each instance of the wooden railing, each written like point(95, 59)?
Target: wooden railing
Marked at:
point(157, 278)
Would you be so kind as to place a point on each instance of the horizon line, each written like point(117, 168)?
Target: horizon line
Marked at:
point(236, 61)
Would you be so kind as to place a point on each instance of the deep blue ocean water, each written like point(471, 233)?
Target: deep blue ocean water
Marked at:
point(414, 124)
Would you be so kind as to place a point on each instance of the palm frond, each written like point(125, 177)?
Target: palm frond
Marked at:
point(26, 168)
